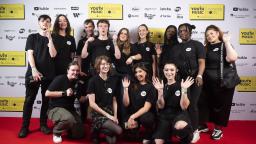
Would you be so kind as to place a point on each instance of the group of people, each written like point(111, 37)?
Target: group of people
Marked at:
point(127, 85)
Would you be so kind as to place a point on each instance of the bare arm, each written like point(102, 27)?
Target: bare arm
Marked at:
point(68, 92)
point(141, 111)
point(231, 53)
point(84, 52)
point(35, 73)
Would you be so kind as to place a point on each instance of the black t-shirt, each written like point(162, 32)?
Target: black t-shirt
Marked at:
point(140, 95)
point(101, 47)
point(212, 62)
point(147, 50)
point(43, 61)
point(104, 90)
point(121, 65)
point(62, 83)
point(187, 55)
point(85, 64)
point(65, 46)
point(172, 96)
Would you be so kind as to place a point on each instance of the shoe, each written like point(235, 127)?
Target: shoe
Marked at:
point(57, 139)
point(23, 132)
point(203, 128)
point(217, 134)
point(196, 136)
point(45, 130)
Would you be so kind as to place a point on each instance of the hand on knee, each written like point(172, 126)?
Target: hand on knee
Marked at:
point(180, 125)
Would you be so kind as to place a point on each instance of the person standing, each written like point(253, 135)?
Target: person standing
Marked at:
point(218, 100)
point(84, 63)
point(64, 44)
point(40, 72)
point(62, 93)
point(147, 50)
point(189, 57)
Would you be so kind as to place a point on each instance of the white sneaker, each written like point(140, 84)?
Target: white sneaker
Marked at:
point(196, 136)
point(57, 139)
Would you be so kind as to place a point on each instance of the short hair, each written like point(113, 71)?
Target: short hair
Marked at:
point(44, 17)
point(103, 21)
point(72, 64)
point(188, 26)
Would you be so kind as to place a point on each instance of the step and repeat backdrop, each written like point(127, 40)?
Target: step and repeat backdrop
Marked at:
point(18, 19)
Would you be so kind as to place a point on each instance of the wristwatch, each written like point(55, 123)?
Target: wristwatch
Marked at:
point(64, 93)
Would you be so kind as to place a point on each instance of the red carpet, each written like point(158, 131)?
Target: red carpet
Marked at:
point(238, 132)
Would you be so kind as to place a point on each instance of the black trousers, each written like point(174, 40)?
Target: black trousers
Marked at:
point(195, 92)
point(215, 103)
point(31, 92)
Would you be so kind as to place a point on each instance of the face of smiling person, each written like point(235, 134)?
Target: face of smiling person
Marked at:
point(73, 72)
point(104, 67)
point(212, 36)
point(123, 35)
point(63, 23)
point(89, 28)
point(140, 74)
point(143, 32)
point(44, 23)
point(170, 71)
point(103, 29)
point(184, 33)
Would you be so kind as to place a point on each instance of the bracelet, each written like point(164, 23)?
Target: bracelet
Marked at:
point(64, 93)
point(200, 76)
point(184, 91)
point(133, 57)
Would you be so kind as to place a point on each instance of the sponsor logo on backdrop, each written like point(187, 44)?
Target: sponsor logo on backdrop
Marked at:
point(247, 36)
point(206, 11)
point(60, 8)
point(11, 83)
point(14, 104)
point(105, 11)
point(9, 30)
point(253, 110)
point(21, 30)
point(157, 35)
point(238, 104)
point(254, 104)
point(238, 111)
point(12, 58)
point(10, 37)
point(41, 8)
point(179, 15)
point(32, 31)
point(149, 16)
point(74, 7)
point(150, 9)
point(133, 15)
point(240, 15)
point(135, 9)
point(248, 84)
point(12, 11)
point(165, 9)
point(240, 9)
point(241, 64)
point(165, 16)
point(10, 77)
point(76, 15)
point(242, 57)
point(22, 37)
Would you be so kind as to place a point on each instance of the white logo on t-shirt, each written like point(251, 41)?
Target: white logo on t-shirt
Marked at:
point(215, 49)
point(188, 49)
point(177, 93)
point(147, 49)
point(107, 47)
point(68, 42)
point(143, 93)
point(109, 90)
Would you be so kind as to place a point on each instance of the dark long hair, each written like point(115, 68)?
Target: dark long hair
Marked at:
point(174, 39)
point(56, 26)
point(148, 36)
point(142, 66)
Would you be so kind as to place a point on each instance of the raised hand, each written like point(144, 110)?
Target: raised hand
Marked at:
point(157, 83)
point(187, 83)
point(125, 82)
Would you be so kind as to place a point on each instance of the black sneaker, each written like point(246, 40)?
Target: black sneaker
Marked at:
point(45, 130)
point(23, 132)
point(217, 134)
point(203, 128)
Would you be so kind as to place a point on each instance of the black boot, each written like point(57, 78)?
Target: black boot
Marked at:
point(23, 132)
point(45, 129)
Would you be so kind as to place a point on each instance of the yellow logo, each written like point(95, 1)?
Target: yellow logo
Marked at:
point(14, 104)
point(105, 11)
point(12, 58)
point(12, 11)
point(248, 84)
point(247, 36)
point(206, 11)
point(156, 35)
